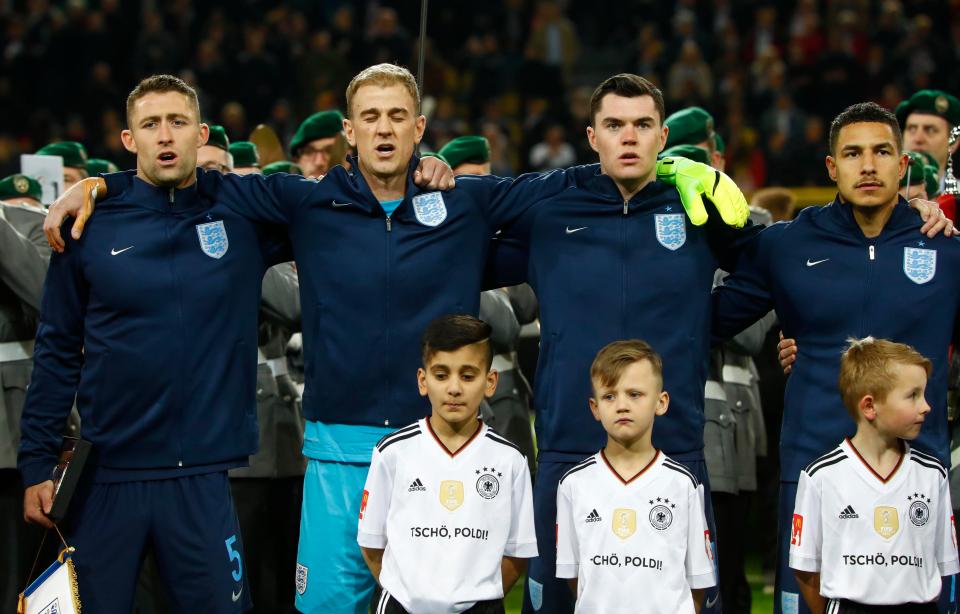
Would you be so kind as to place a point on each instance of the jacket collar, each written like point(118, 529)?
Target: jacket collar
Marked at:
point(902, 217)
point(359, 189)
point(592, 179)
point(164, 199)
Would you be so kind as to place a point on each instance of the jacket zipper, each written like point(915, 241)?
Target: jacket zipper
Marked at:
point(386, 310)
point(623, 268)
point(176, 286)
point(867, 288)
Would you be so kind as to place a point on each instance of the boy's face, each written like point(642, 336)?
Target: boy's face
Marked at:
point(903, 411)
point(627, 408)
point(456, 382)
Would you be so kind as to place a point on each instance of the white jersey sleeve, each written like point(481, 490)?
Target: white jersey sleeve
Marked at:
point(699, 559)
point(946, 533)
point(522, 539)
point(375, 505)
point(568, 551)
point(806, 535)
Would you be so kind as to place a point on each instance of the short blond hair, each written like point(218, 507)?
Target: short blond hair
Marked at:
point(614, 358)
point(384, 75)
point(866, 368)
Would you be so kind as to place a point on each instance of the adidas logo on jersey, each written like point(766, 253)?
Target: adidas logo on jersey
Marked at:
point(417, 485)
point(593, 516)
point(848, 513)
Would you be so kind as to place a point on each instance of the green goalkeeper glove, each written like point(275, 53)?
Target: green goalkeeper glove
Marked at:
point(694, 181)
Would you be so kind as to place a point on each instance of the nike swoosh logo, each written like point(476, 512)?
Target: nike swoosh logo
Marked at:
point(114, 252)
point(236, 596)
point(708, 604)
point(570, 231)
point(336, 204)
point(815, 262)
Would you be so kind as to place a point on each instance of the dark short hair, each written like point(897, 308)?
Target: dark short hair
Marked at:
point(161, 84)
point(864, 112)
point(628, 86)
point(451, 332)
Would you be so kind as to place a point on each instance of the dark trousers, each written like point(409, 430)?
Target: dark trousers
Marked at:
point(843, 606)
point(384, 603)
point(269, 513)
point(730, 512)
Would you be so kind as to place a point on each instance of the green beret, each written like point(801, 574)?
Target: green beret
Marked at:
point(318, 126)
point(282, 166)
point(72, 152)
point(930, 160)
point(690, 152)
point(244, 154)
point(721, 146)
point(95, 166)
point(936, 102)
point(218, 137)
point(914, 170)
point(931, 180)
point(690, 126)
point(16, 186)
point(462, 149)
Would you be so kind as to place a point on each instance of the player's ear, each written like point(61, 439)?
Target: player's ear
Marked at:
point(422, 382)
point(126, 137)
point(867, 407)
point(594, 409)
point(493, 377)
point(831, 167)
point(663, 403)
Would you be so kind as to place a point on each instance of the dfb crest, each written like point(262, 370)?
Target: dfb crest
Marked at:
point(213, 239)
point(671, 230)
point(920, 265)
point(430, 208)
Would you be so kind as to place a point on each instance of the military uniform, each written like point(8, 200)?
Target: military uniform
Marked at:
point(510, 404)
point(268, 492)
point(24, 256)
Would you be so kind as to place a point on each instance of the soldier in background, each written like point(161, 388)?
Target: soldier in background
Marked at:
point(319, 143)
point(95, 166)
point(246, 158)
point(74, 157)
point(24, 255)
point(215, 155)
point(926, 119)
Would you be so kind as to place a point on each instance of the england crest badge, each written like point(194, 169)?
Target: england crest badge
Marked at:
point(430, 208)
point(213, 239)
point(920, 265)
point(671, 230)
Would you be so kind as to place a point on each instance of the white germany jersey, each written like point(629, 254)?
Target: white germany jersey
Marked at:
point(446, 520)
point(635, 546)
point(874, 541)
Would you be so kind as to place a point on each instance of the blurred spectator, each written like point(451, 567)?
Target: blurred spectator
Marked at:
point(690, 81)
point(516, 64)
point(554, 151)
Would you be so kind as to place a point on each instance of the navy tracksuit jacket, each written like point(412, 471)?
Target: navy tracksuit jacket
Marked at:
point(370, 284)
point(604, 269)
point(828, 282)
point(151, 320)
